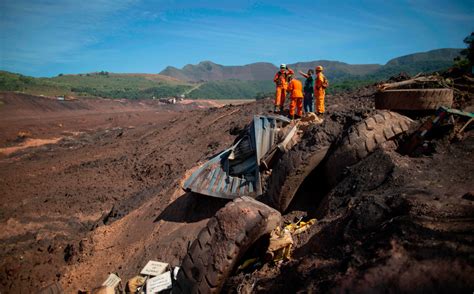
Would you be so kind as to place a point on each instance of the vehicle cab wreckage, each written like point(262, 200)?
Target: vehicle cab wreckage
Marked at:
point(238, 170)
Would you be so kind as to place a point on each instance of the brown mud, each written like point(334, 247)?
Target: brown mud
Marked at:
point(107, 198)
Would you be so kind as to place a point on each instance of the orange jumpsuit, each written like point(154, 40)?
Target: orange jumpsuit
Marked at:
point(320, 92)
point(296, 89)
point(281, 84)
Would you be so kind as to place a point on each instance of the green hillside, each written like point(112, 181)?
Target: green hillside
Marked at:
point(221, 82)
point(102, 84)
point(229, 89)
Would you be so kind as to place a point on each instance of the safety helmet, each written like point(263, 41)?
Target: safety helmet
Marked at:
point(319, 68)
point(282, 66)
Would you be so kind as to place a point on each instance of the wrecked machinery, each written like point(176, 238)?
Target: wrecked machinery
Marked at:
point(237, 171)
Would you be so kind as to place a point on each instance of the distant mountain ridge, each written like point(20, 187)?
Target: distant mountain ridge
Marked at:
point(211, 80)
point(209, 71)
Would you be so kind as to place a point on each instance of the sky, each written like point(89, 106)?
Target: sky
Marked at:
point(49, 37)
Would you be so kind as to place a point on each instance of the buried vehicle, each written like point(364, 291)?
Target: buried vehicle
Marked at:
point(242, 170)
point(269, 163)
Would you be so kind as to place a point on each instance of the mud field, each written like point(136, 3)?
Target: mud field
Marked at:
point(106, 197)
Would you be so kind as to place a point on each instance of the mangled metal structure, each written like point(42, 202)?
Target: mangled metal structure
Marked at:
point(236, 171)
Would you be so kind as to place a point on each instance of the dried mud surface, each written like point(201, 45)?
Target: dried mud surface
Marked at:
point(107, 198)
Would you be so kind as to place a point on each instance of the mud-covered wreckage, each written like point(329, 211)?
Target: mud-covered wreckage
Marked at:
point(237, 171)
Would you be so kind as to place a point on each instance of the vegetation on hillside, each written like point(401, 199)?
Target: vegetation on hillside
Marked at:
point(229, 89)
point(465, 62)
point(344, 77)
point(100, 84)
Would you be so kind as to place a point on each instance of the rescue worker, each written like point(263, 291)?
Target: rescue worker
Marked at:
point(295, 88)
point(308, 91)
point(320, 85)
point(281, 84)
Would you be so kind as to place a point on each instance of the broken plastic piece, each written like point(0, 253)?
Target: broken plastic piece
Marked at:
point(175, 272)
point(154, 268)
point(280, 245)
point(159, 283)
point(300, 226)
point(112, 281)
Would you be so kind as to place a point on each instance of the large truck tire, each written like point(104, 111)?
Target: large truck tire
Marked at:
point(289, 173)
point(414, 99)
point(225, 239)
point(362, 139)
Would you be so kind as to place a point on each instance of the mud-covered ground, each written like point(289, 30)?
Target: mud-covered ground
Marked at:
point(107, 198)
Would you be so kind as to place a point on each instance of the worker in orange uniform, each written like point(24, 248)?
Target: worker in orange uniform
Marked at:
point(295, 88)
point(281, 84)
point(320, 86)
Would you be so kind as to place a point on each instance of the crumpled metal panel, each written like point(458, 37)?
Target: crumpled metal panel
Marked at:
point(231, 178)
point(266, 129)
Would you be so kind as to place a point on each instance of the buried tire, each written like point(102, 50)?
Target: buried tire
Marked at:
point(225, 239)
point(362, 139)
point(289, 173)
point(414, 99)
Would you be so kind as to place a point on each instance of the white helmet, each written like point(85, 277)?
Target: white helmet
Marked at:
point(282, 66)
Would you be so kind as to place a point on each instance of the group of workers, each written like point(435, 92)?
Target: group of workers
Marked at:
point(300, 96)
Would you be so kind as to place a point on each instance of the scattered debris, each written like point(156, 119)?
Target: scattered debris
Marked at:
point(154, 268)
point(426, 129)
point(280, 245)
point(281, 240)
point(159, 283)
point(446, 83)
point(112, 281)
point(135, 284)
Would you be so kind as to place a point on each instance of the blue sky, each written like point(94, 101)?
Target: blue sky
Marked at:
point(48, 37)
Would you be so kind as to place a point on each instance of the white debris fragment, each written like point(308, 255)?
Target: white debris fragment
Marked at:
point(112, 281)
point(159, 283)
point(154, 268)
point(175, 273)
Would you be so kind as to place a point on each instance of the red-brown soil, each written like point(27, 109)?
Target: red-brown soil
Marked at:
point(107, 198)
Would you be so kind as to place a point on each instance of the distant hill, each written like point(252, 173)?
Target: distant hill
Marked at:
point(335, 70)
point(446, 54)
point(211, 80)
point(210, 71)
point(100, 84)
point(413, 64)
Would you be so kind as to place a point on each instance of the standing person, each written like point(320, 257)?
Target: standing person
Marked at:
point(320, 86)
point(281, 84)
point(295, 88)
point(308, 91)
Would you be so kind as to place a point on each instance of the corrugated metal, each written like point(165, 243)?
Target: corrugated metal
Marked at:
point(224, 178)
point(266, 129)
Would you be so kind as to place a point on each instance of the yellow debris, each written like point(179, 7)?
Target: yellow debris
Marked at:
point(281, 240)
point(247, 263)
point(135, 283)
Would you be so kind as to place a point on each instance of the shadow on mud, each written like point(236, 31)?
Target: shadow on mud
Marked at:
point(191, 207)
